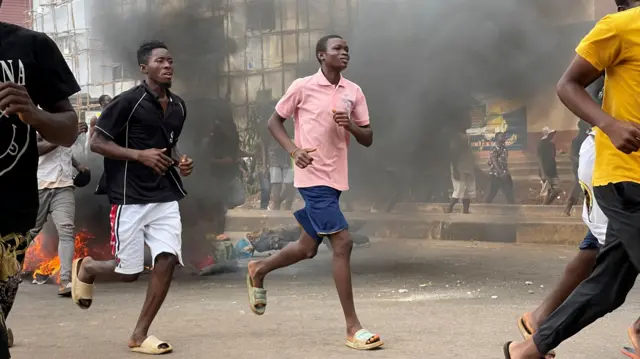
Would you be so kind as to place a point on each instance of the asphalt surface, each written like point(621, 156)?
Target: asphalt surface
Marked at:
point(426, 300)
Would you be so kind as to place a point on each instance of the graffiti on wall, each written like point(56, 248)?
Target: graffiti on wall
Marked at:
point(498, 115)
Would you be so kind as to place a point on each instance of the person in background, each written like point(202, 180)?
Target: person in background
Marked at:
point(576, 190)
point(463, 174)
point(35, 101)
point(223, 145)
point(616, 179)
point(547, 167)
point(103, 100)
point(328, 110)
point(280, 176)
point(499, 176)
point(138, 135)
point(56, 194)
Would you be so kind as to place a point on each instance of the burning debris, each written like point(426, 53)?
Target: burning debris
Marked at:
point(43, 263)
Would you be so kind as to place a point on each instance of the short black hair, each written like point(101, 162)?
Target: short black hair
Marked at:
point(145, 50)
point(102, 98)
point(321, 46)
point(622, 2)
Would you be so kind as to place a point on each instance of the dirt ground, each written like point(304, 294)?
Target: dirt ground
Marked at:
point(426, 300)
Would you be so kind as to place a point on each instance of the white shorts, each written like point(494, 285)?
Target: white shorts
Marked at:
point(157, 225)
point(464, 187)
point(281, 175)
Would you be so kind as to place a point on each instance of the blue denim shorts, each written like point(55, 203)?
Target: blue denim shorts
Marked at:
point(321, 215)
point(589, 242)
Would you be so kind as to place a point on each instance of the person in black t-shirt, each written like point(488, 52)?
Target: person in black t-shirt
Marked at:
point(35, 85)
point(137, 134)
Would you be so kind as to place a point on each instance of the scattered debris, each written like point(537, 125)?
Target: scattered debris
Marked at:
point(531, 292)
point(528, 283)
point(494, 297)
point(403, 291)
point(541, 286)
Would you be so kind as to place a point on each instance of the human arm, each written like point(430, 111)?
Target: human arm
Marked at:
point(357, 122)
point(602, 48)
point(52, 85)
point(286, 108)
point(111, 122)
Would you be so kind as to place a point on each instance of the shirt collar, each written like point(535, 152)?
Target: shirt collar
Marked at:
point(152, 93)
point(322, 80)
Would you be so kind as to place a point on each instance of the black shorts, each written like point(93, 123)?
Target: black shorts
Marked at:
point(620, 202)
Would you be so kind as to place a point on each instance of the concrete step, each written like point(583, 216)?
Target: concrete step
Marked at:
point(514, 228)
point(489, 209)
point(533, 171)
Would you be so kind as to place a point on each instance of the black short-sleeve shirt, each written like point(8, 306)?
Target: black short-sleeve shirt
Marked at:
point(135, 119)
point(33, 60)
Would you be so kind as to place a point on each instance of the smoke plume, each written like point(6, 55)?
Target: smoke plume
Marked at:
point(421, 64)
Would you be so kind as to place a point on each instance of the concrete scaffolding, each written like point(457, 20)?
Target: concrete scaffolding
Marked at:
point(68, 23)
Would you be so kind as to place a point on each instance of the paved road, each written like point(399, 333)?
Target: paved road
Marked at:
point(427, 300)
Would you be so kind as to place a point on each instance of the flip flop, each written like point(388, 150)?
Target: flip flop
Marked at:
point(631, 352)
point(527, 332)
point(364, 340)
point(257, 297)
point(82, 293)
point(507, 355)
point(10, 337)
point(505, 350)
point(65, 291)
point(151, 346)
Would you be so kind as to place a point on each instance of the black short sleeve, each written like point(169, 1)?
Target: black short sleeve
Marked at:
point(115, 116)
point(55, 81)
point(184, 115)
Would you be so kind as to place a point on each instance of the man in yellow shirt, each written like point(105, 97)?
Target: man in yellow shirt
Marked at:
point(612, 46)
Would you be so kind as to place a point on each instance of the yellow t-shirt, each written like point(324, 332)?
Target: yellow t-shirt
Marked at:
point(614, 45)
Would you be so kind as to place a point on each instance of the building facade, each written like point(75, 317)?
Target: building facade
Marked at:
point(16, 12)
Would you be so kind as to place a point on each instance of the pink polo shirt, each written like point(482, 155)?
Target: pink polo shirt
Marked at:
point(310, 100)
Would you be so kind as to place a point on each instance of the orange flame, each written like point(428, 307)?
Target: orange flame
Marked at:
point(46, 262)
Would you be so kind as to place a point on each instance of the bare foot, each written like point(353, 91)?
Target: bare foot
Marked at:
point(136, 341)
point(352, 330)
point(533, 322)
point(634, 334)
point(83, 275)
point(256, 279)
point(526, 350)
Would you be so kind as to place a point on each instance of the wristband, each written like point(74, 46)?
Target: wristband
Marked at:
point(293, 153)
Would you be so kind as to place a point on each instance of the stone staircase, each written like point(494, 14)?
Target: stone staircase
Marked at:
point(524, 171)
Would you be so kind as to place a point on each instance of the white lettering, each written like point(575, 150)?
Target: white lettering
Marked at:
point(9, 72)
point(22, 75)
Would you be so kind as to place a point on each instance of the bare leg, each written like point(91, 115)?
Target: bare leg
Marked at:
point(636, 329)
point(342, 246)
point(576, 271)
point(526, 350)
point(90, 269)
point(304, 248)
point(276, 195)
point(157, 290)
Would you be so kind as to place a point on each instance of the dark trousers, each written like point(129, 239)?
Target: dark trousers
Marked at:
point(497, 183)
point(265, 191)
point(614, 274)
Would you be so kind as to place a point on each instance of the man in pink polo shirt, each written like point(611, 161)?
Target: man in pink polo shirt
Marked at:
point(327, 110)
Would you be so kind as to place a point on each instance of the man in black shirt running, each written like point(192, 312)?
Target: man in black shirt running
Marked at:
point(137, 135)
point(35, 85)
